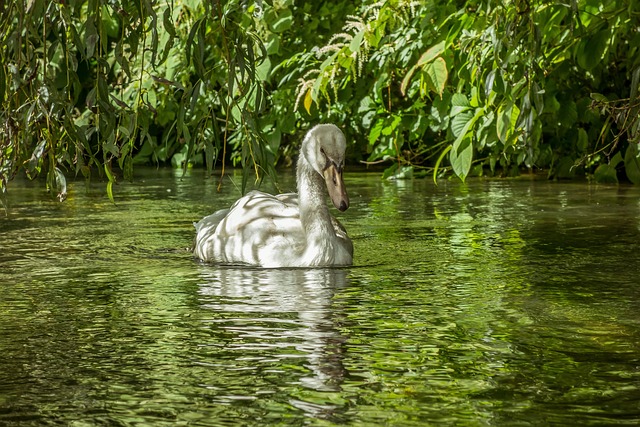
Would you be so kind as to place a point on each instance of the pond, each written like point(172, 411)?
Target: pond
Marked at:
point(487, 303)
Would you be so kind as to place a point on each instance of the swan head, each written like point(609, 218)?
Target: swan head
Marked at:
point(324, 148)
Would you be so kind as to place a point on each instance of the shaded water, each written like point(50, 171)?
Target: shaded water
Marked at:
point(490, 303)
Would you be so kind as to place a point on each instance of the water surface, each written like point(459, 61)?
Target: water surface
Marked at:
point(499, 302)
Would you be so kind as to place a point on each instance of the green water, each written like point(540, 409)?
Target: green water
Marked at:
point(490, 303)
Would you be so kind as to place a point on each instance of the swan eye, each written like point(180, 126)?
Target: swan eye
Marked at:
point(327, 162)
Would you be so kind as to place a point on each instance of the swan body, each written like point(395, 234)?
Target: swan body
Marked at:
point(286, 230)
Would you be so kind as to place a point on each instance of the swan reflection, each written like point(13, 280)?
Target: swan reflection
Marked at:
point(269, 315)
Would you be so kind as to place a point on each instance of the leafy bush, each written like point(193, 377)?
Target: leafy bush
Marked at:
point(533, 84)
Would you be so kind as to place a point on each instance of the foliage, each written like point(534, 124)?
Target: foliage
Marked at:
point(532, 84)
point(473, 87)
point(88, 84)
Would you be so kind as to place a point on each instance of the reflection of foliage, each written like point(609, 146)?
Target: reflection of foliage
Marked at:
point(105, 84)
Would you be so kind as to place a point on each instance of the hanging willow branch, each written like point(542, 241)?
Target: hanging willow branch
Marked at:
point(93, 87)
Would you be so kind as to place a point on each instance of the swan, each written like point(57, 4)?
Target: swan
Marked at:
point(286, 230)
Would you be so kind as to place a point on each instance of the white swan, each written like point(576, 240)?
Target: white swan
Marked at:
point(287, 230)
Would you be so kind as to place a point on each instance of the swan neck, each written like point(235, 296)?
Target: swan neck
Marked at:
point(314, 212)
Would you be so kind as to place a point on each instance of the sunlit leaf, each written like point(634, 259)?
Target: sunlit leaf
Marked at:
point(111, 178)
point(506, 121)
point(264, 69)
point(388, 130)
point(432, 53)
point(110, 191)
point(406, 80)
point(308, 100)
point(284, 21)
point(375, 131)
point(459, 103)
point(404, 172)
point(461, 157)
point(438, 162)
point(462, 151)
point(437, 72)
point(354, 46)
point(459, 122)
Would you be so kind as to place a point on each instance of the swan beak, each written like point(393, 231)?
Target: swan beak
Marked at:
point(335, 186)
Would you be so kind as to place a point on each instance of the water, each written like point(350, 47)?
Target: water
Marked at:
point(508, 302)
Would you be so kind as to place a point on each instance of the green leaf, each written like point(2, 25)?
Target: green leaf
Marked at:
point(459, 122)
point(461, 154)
point(168, 23)
point(388, 130)
point(272, 44)
point(110, 191)
point(437, 72)
point(90, 37)
point(375, 132)
point(107, 170)
point(583, 141)
point(506, 121)
point(432, 53)
point(591, 50)
point(437, 166)
point(459, 100)
point(390, 171)
point(308, 100)
point(459, 104)
point(568, 113)
point(599, 97)
point(498, 83)
point(632, 163)
point(263, 70)
point(192, 33)
point(36, 157)
point(405, 172)
point(407, 80)
point(284, 21)
point(3, 86)
point(354, 46)
point(494, 82)
point(605, 174)
point(461, 157)
point(616, 160)
point(61, 185)
point(635, 81)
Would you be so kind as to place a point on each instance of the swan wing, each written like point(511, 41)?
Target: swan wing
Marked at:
point(258, 229)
